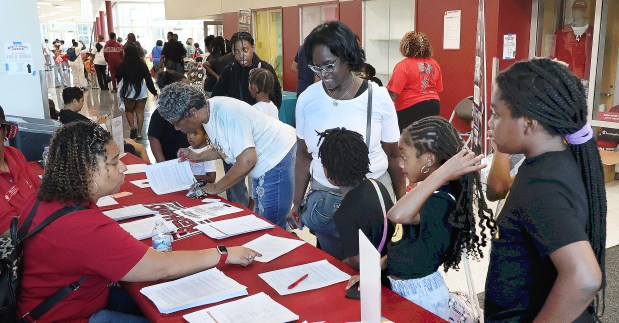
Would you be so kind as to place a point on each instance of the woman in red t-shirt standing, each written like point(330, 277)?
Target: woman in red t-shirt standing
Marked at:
point(416, 81)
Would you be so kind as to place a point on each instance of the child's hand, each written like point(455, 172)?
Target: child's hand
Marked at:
point(461, 164)
point(187, 154)
point(353, 280)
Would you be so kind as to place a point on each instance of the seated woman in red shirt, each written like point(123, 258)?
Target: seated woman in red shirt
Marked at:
point(416, 81)
point(88, 243)
point(17, 182)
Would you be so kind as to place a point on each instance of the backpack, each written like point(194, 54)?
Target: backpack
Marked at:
point(11, 262)
point(71, 54)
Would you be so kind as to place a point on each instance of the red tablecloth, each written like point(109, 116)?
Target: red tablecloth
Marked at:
point(325, 304)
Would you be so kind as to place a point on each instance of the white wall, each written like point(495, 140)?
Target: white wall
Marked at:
point(22, 94)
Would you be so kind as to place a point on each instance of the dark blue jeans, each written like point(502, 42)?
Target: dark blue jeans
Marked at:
point(120, 308)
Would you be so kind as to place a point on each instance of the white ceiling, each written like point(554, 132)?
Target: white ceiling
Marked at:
point(74, 10)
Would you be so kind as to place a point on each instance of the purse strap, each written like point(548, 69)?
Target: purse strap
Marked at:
point(382, 205)
point(368, 127)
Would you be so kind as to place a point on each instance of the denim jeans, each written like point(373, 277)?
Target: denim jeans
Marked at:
point(429, 292)
point(237, 193)
point(120, 308)
point(272, 192)
point(317, 211)
point(59, 75)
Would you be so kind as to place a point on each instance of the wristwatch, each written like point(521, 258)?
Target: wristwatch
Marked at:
point(223, 254)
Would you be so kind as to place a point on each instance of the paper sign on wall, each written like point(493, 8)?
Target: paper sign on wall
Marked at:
point(18, 58)
point(451, 29)
point(509, 46)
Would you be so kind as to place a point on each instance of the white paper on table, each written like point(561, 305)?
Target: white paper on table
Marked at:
point(369, 261)
point(232, 227)
point(320, 274)
point(141, 183)
point(106, 201)
point(206, 287)
point(258, 308)
point(209, 200)
point(143, 228)
point(128, 212)
point(169, 176)
point(135, 169)
point(271, 247)
point(207, 211)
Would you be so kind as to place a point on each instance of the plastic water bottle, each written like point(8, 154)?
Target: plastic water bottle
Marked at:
point(162, 239)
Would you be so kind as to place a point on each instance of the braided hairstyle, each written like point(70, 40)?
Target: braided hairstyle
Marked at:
point(74, 152)
point(437, 136)
point(550, 93)
point(262, 79)
point(416, 45)
point(344, 156)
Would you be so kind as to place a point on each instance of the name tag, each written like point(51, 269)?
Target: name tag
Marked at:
point(11, 192)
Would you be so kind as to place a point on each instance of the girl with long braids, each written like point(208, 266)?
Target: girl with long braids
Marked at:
point(547, 258)
point(436, 220)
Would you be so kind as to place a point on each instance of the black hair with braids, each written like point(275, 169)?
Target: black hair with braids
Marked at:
point(344, 156)
point(550, 93)
point(262, 79)
point(438, 137)
point(74, 152)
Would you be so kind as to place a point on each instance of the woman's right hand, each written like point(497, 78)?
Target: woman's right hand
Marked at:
point(460, 164)
point(187, 154)
point(293, 219)
point(241, 256)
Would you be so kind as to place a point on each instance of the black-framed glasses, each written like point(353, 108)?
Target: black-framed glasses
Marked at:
point(324, 68)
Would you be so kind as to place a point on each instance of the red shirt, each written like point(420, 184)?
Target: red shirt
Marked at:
point(81, 243)
point(575, 51)
point(415, 80)
point(16, 186)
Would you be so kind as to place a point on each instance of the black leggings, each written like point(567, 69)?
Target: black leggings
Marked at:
point(101, 76)
point(418, 111)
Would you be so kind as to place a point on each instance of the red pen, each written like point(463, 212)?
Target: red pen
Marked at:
point(293, 285)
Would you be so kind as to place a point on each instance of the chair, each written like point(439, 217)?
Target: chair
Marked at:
point(464, 111)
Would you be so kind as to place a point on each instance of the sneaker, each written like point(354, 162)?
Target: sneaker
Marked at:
point(139, 136)
point(133, 134)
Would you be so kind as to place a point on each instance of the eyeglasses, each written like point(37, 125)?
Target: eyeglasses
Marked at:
point(325, 68)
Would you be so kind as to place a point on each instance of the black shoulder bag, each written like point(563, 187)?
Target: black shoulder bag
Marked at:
point(11, 267)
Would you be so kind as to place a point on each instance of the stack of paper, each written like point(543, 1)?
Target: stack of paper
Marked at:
point(135, 169)
point(128, 212)
point(143, 228)
point(206, 287)
point(169, 176)
point(271, 247)
point(232, 227)
point(207, 211)
point(319, 274)
point(259, 308)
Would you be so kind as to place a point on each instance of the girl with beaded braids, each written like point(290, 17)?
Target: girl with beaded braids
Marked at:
point(82, 166)
point(547, 258)
point(435, 221)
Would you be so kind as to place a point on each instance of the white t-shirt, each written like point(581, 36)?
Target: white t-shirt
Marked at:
point(315, 112)
point(267, 108)
point(99, 58)
point(202, 168)
point(235, 125)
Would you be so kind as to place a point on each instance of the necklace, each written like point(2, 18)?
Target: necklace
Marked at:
point(352, 82)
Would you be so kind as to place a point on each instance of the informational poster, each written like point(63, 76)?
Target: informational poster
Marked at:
point(509, 46)
point(478, 126)
point(245, 20)
point(18, 58)
point(451, 29)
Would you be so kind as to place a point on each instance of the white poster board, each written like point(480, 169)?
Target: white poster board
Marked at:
point(451, 29)
point(369, 260)
point(117, 133)
point(509, 46)
point(18, 58)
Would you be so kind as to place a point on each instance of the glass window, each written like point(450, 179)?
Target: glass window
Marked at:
point(268, 36)
point(606, 94)
point(312, 16)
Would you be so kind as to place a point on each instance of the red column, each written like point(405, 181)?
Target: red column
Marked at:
point(97, 31)
point(108, 13)
point(102, 22)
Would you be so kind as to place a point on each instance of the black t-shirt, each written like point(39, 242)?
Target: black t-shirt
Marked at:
point(546, 209)
point(174, 51)
point(171, 139)
point(361, 209)
point(218, 63)
point(418, 249)
point(305, 76)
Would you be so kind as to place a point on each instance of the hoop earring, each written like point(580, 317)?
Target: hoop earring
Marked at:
point(96, 187)
point(425, 169)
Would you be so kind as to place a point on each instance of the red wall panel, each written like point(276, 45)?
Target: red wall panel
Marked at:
point(515, 19)
point(351, 13)
point(290, 42)
point(230, 20)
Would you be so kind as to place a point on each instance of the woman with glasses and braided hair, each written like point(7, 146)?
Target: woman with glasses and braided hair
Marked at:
point(547, 259)
point(86, 246)
point(436, 220)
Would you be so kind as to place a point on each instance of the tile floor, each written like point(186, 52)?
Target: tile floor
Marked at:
point(102, 102)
